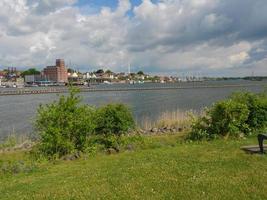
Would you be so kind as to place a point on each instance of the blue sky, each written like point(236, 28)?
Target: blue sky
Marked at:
point(109, 3)
point(92, 6)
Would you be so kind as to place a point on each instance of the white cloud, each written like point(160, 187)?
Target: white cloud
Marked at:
point(170, 36)
point(239, 58)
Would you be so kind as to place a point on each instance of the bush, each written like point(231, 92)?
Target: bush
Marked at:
point(257, 105)
point(114, 119)
point(240, 114)
point(63, 126)
point(228, 118)
point(199, 129)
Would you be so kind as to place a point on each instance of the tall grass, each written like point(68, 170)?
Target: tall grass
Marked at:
point(175, 118)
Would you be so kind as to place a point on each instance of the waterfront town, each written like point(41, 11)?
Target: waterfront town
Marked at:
point(60, 75)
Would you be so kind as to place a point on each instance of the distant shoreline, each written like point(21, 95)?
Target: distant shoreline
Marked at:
point(26, 91)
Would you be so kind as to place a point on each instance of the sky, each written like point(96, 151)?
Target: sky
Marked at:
point(172, 37)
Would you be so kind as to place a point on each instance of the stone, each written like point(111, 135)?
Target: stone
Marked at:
point(154, 130)
point(111, 151)
point(180, 129)
point(173, 130)
point(142, 131)
point(72, 156)
point(130, 147)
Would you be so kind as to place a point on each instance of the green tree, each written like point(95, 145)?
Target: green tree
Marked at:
point(31, 71)
point(100, 71)
point(140, 73)
point(108, 72)
point(71, 70)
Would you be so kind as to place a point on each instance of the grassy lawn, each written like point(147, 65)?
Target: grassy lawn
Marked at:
point(207, 170)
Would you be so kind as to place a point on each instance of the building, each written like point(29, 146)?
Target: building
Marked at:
point(58, 73)
point(32, 78)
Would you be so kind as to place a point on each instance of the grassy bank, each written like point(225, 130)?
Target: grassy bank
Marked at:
point(165, 168)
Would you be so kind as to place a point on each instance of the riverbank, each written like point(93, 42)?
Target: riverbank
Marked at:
point(26, 91)
point(164, 168)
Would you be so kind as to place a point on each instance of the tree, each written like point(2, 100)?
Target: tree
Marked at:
point(100, 71)
point(140, 73)
point(31, 71)
point(108, 72)
point(71, 70)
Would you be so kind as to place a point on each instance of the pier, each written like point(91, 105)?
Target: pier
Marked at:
point(27, 91)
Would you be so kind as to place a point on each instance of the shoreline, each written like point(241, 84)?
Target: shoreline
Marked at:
point(82, 89)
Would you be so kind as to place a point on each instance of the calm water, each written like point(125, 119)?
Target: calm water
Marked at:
point(18, 112)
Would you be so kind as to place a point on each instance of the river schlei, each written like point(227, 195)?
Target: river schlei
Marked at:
point(17, 112)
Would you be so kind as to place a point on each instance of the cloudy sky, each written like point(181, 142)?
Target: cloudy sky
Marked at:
point(206, 37)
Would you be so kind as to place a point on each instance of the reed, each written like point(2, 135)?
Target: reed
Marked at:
point(175, 118)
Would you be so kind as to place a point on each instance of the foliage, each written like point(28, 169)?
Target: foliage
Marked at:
point(100, 71)
point(114, 119)
point(63, 126)
point(66, 126)
point(108, 71)
point(228, 118)
point(140, 73)
point(70, 70)
point(257, 105)
point(240, 114)
point(31, 71)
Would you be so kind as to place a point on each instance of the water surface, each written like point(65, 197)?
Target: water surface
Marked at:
point(17, 112)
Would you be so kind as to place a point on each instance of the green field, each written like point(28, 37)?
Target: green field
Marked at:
point(169, 169)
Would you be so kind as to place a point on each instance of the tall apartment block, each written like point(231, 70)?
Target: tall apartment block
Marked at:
point(57, 73)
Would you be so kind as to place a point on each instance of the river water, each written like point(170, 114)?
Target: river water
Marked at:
point(17, 112)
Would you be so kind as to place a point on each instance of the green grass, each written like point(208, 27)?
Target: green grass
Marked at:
point(167, 170)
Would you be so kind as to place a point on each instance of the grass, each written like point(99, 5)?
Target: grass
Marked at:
point(165, 169)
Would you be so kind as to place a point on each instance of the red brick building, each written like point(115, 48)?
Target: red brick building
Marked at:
point(57, 73)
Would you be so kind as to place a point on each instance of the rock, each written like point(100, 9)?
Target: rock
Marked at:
point(179, 129)
point(142, 131)
point(72, 156)
point(154, 130)
point(173, 130)
point(112, 151)
point(130, 147)
point(25, 145)
point(67, 157)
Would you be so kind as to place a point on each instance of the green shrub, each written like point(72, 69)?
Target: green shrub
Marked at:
point(114, 119)
point(242, 113)
point(66, 126)
point(257, 105)
point(63, 126)
point(104, 141)
point(228, 118)
point(199, 129)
